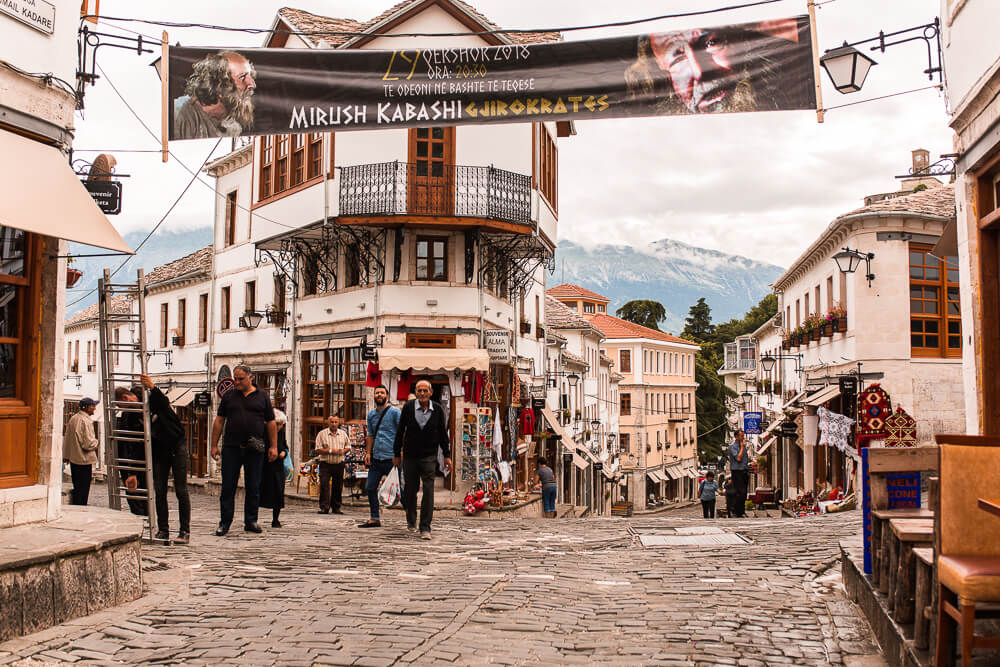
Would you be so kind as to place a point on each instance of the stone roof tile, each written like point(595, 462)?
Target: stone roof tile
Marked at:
point(197, 262)
point(118, 305)
point(938, 201)
point(560, 316)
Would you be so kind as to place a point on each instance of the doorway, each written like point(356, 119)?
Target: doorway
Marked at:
point(431, 171)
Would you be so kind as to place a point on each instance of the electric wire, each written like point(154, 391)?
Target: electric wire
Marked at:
point(157, 225)
point(46, 77)
point(178, 160)
point(496, 31)
point(936, 86)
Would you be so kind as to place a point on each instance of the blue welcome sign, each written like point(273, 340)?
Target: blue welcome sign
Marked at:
point(903, 490)
point(751, 422)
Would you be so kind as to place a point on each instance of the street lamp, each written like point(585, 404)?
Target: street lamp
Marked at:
point(849, 260)
point(572, 378)
point(847, 68)
point(252, 319)
point(746, 398)
point(768, 360)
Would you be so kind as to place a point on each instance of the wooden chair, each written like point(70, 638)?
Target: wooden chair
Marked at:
point(968, 543)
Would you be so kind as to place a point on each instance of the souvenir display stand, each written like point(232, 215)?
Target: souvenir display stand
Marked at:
point(355, 470)
point(477, 445)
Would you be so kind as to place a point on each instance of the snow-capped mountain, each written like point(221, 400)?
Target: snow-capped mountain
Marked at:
point(673, 273)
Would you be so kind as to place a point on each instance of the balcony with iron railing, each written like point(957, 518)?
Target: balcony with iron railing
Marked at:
point(389, 190)
point(740, 356)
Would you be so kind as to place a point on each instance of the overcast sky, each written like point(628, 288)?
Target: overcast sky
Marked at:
point(761, 185)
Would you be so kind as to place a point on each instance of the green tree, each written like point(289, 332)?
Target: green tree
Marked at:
point(646, 312)
point(698, 325)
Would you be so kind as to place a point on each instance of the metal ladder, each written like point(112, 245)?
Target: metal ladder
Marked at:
point(121, 364)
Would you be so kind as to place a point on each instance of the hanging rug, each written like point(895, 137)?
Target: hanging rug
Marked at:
point(874, 408)
point(901, 430)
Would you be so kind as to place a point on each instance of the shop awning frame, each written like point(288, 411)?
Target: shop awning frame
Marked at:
point(43, 195)
point(433, 360)
point(823, 395)
point(766, 445)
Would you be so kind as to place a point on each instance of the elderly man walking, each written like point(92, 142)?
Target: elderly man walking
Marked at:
point(80, 449)
point(251, 436)
point(423, 428)
point(739, 469)
point(332, 444)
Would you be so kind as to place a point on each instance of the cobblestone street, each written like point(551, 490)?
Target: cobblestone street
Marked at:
point(320, 591)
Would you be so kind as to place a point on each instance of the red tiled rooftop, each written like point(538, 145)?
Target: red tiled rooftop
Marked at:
point(615, 327)
point(566, 290)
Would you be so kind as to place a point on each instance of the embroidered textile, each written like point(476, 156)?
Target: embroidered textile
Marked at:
point(874, 407)
point(835, 431)
point(901, 429)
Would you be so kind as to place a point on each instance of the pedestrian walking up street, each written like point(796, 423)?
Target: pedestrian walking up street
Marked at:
point(332, 444)
point(251, 436)
point(383, 423)
point(547, 480)
point(739, 469)
point(80, 449)
point(272, 483)
point(707, 492)
point(423, 429)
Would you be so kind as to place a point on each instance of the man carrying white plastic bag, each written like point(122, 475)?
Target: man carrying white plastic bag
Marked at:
point(383, 422)
point(389, 493)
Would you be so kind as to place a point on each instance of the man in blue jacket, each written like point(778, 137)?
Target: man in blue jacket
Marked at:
point(423, 428)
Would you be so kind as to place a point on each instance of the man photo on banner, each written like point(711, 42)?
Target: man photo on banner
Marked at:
point(218, 98)
point(752, 67)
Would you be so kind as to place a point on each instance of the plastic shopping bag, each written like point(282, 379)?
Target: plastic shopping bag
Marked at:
point(388, 491)
point(288, 468)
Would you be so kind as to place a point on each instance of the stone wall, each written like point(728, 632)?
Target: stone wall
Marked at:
point(39, 596)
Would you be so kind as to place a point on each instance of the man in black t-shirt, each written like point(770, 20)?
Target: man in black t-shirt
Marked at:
point(248, 418)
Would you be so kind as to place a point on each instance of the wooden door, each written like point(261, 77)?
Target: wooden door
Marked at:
point(20, 264)
point(431, 171)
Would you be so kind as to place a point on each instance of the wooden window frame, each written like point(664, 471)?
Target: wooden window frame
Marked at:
point(164, 324)
point(229, 232)
point(297, 167)
point(548, 168)
point(265, 169)
point(444, 341)
point(431, 257)
point(625, 404)
point(336, 368)
point(225, 307)
point(288, 163)
point(203, 318)
point(942, 318)
point(986, 321)
point(182, 321)
point(250, 296)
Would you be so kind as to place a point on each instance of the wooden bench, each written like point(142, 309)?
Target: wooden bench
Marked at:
point(922, 608)
point(621, 509)
point(880, 541)
point(905, 535)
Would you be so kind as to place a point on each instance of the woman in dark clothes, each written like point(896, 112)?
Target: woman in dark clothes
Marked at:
point(272, 483)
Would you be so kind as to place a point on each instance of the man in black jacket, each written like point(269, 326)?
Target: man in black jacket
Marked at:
point(169, 453)
point(423, 427)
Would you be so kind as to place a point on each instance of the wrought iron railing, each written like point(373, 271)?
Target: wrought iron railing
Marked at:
point(739, 359)
point(400, 188)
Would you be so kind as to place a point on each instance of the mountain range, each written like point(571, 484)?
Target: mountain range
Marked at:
point(668, 271)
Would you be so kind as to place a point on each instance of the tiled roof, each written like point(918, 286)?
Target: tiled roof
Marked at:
point(569, 356)
point(562, 317)
point(308, 22)
point(567, 290)
point(615, 327)
point(197, 262)
point(605, 358)
point(119, 305)
point(938, 201)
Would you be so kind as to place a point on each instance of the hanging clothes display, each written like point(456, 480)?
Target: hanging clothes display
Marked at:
point(374, 375)
point(472, 386)
point(497, 434)
point(527, 421)
point(835, 431)
point(403, 385)
point(901, 430)
point(874, 407)
point(511, 425)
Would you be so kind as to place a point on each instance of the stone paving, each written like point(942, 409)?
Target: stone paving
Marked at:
point(527, 591)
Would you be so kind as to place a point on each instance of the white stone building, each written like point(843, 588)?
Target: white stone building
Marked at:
point(420, 278)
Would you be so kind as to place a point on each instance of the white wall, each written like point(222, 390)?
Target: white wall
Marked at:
point(35, 51)
point(971, 49)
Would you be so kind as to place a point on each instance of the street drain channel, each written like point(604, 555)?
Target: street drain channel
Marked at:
point(690, 536)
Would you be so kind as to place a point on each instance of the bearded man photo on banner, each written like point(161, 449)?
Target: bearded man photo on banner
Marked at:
point(730, 69)
point(218, 98)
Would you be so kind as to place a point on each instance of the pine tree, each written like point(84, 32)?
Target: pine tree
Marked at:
point(646, 312)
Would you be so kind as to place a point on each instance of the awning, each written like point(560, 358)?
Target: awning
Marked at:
point(42, 195)
point(947, 245)
point(568, 441)
point(692, 473)
point(772, 426)
point(793, 399)
point(185, 399)
point(767, 443)
point(824, 395)
point(653, 477)
point(432, 359)
point(329, 344)
point(673, 473)
point(174, 393)
point(579, 461)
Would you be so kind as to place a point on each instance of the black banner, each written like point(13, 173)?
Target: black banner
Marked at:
point(764, 66)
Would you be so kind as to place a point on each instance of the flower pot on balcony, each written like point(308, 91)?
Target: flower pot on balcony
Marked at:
point(814, 334)
point(178, 341)
point(841, 323)
point(826, 330)
point(525, 327)
point(539, 332)
point(72, 275)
